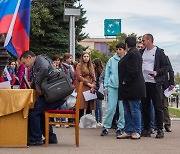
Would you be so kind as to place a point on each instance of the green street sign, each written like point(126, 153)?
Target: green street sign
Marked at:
point(112, 27)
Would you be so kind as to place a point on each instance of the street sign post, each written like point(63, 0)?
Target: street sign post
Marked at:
point(112, 27)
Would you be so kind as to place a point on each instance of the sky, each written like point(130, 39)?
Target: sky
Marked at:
point(161, 18)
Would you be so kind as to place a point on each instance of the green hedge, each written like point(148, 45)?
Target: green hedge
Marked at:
point(174, 111)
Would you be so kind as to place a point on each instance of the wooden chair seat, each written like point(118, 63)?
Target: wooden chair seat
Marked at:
point(61, 111)
point(64, 114)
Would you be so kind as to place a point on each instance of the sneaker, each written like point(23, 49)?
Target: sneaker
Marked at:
point(152, 131)
point(124, 136)
point(168, 128)
point(118, 132)
point(104, 132)
point(99, 124)
point(135, 136)
point(145, 133)
point(35, 143)
point(160, 134)
point(55, 141)
point(66, 126)
point(57, 126)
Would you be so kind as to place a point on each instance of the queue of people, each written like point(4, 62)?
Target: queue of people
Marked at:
point(127, 87)
point(142, 92)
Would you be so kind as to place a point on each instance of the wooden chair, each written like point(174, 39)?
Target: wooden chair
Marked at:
point(64, 114)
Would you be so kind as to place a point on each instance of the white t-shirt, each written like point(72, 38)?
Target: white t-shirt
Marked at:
point(148, 64)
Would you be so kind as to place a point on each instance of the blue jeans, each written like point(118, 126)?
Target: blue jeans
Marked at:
point(132, 114)
point(36, 119)
point(98, 111)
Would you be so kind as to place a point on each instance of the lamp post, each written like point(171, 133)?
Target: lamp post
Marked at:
point(71, 15)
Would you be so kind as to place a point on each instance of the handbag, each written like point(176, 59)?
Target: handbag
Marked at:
point(56, 86)
point(99, 95)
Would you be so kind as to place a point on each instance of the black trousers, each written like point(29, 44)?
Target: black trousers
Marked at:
point(81, 111)
point(116, 117)
point(167, 120)
point(153, 93)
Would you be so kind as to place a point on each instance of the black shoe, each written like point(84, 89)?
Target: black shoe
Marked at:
point(160, 134)
point(152, 131)
point(34, 143)
point(104, 132)
point(52, 141)
point(168, 129)
point(145, 133)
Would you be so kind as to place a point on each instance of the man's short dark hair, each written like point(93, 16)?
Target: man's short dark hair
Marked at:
point(27, 53)
point(130, 41)
point(150, 37)
point(120, 45)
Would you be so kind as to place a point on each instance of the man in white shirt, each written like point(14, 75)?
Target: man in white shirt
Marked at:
point(154, 68)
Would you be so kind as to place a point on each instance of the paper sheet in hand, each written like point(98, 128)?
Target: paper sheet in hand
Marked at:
point(89, 96)
point(168, 92)
point(5, 85)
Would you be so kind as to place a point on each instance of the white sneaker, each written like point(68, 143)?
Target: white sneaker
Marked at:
point(136, 136)
point(57, 126)
point(99, 124)
point(66, 126)
point(123, 136)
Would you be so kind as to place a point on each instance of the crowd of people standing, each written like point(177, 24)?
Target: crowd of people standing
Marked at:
point(144, 72)
point(128, 88)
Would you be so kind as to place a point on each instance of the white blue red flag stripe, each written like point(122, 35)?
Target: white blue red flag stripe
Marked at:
point(15, 22)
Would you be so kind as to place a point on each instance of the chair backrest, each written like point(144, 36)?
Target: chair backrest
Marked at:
point(78, 99)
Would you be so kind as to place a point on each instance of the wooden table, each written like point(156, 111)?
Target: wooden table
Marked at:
point(14, 109)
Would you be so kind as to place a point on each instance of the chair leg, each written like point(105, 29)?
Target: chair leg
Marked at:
point(77, 132)
point(46, 129)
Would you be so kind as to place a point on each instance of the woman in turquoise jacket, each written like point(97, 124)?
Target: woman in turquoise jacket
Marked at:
point(111, 83)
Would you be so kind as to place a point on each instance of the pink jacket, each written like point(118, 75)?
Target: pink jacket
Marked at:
point(20, 74)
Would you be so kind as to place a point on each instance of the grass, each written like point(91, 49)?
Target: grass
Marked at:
point(174, 112)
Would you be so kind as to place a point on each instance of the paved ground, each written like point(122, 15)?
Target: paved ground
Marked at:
point(92, 143)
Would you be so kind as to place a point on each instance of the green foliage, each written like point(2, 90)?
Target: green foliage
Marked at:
point(177, 78)
point(39, 15)
point(49, 32)
point(174, 111)
point(98, 54)
point(121, 39)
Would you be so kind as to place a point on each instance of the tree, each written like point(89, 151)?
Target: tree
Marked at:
point(98, 54)
point(177, 78)
point(120, 39)
point(49, 32)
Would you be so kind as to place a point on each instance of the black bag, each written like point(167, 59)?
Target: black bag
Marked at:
point(99, 95)
point(56, 86)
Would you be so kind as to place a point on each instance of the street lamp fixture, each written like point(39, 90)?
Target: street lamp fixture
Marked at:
point(71, 15)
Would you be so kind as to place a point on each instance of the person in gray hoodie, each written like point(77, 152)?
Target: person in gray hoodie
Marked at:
point(111, 83)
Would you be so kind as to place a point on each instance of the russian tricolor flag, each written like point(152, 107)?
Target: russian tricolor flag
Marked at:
point(15, 22)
